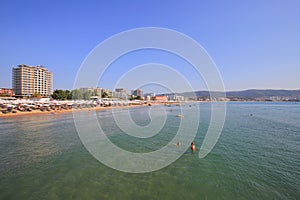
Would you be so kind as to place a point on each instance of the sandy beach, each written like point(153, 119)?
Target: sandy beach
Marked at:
point(59, 111)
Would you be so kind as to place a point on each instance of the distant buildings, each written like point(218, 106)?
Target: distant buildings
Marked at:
point(83, 90)
point(137, 93)
point(160, 98)
point(175, 97)
point(149, 96)
point(120, 93)
point(6, 92)
point(92, 92)
point(30, 80)
point(122, 90)
point(98, 92)
point(107, 93)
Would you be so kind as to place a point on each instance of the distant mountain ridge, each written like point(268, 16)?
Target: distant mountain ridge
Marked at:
point(251, 93)
point(264, 93)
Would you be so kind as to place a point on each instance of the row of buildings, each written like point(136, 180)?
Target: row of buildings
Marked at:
point(101, 92)
point(120, 93)
point(28, 81)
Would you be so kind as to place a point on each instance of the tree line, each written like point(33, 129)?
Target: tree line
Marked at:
point(74, 94)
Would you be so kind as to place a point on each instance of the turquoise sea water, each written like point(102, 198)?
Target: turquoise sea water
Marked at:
point(256, 157)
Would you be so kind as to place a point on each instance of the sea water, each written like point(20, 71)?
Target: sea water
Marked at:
point(256, 157)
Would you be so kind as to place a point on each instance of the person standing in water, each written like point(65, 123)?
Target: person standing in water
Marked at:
point(193, 147)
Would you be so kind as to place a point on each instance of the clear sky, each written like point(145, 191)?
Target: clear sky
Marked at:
point(255, 43)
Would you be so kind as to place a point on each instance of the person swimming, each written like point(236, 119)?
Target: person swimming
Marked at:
point(193, 146)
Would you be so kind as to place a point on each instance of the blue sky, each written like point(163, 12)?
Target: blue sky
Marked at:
point(255, 44)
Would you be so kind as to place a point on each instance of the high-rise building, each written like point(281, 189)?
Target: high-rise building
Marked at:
point(30, 80)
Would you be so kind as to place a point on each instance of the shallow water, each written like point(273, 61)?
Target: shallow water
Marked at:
point(256, 157)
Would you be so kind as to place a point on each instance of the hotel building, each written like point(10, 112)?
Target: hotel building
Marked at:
point(29, 80)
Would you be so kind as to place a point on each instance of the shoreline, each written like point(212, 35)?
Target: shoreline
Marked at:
point(86, 109)
point(53, 112)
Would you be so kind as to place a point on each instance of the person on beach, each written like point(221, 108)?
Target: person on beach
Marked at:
point(193, 147)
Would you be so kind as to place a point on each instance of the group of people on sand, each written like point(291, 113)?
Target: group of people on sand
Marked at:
point(193, 146)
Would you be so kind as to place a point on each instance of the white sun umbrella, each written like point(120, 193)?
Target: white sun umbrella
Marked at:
point(10, 106)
